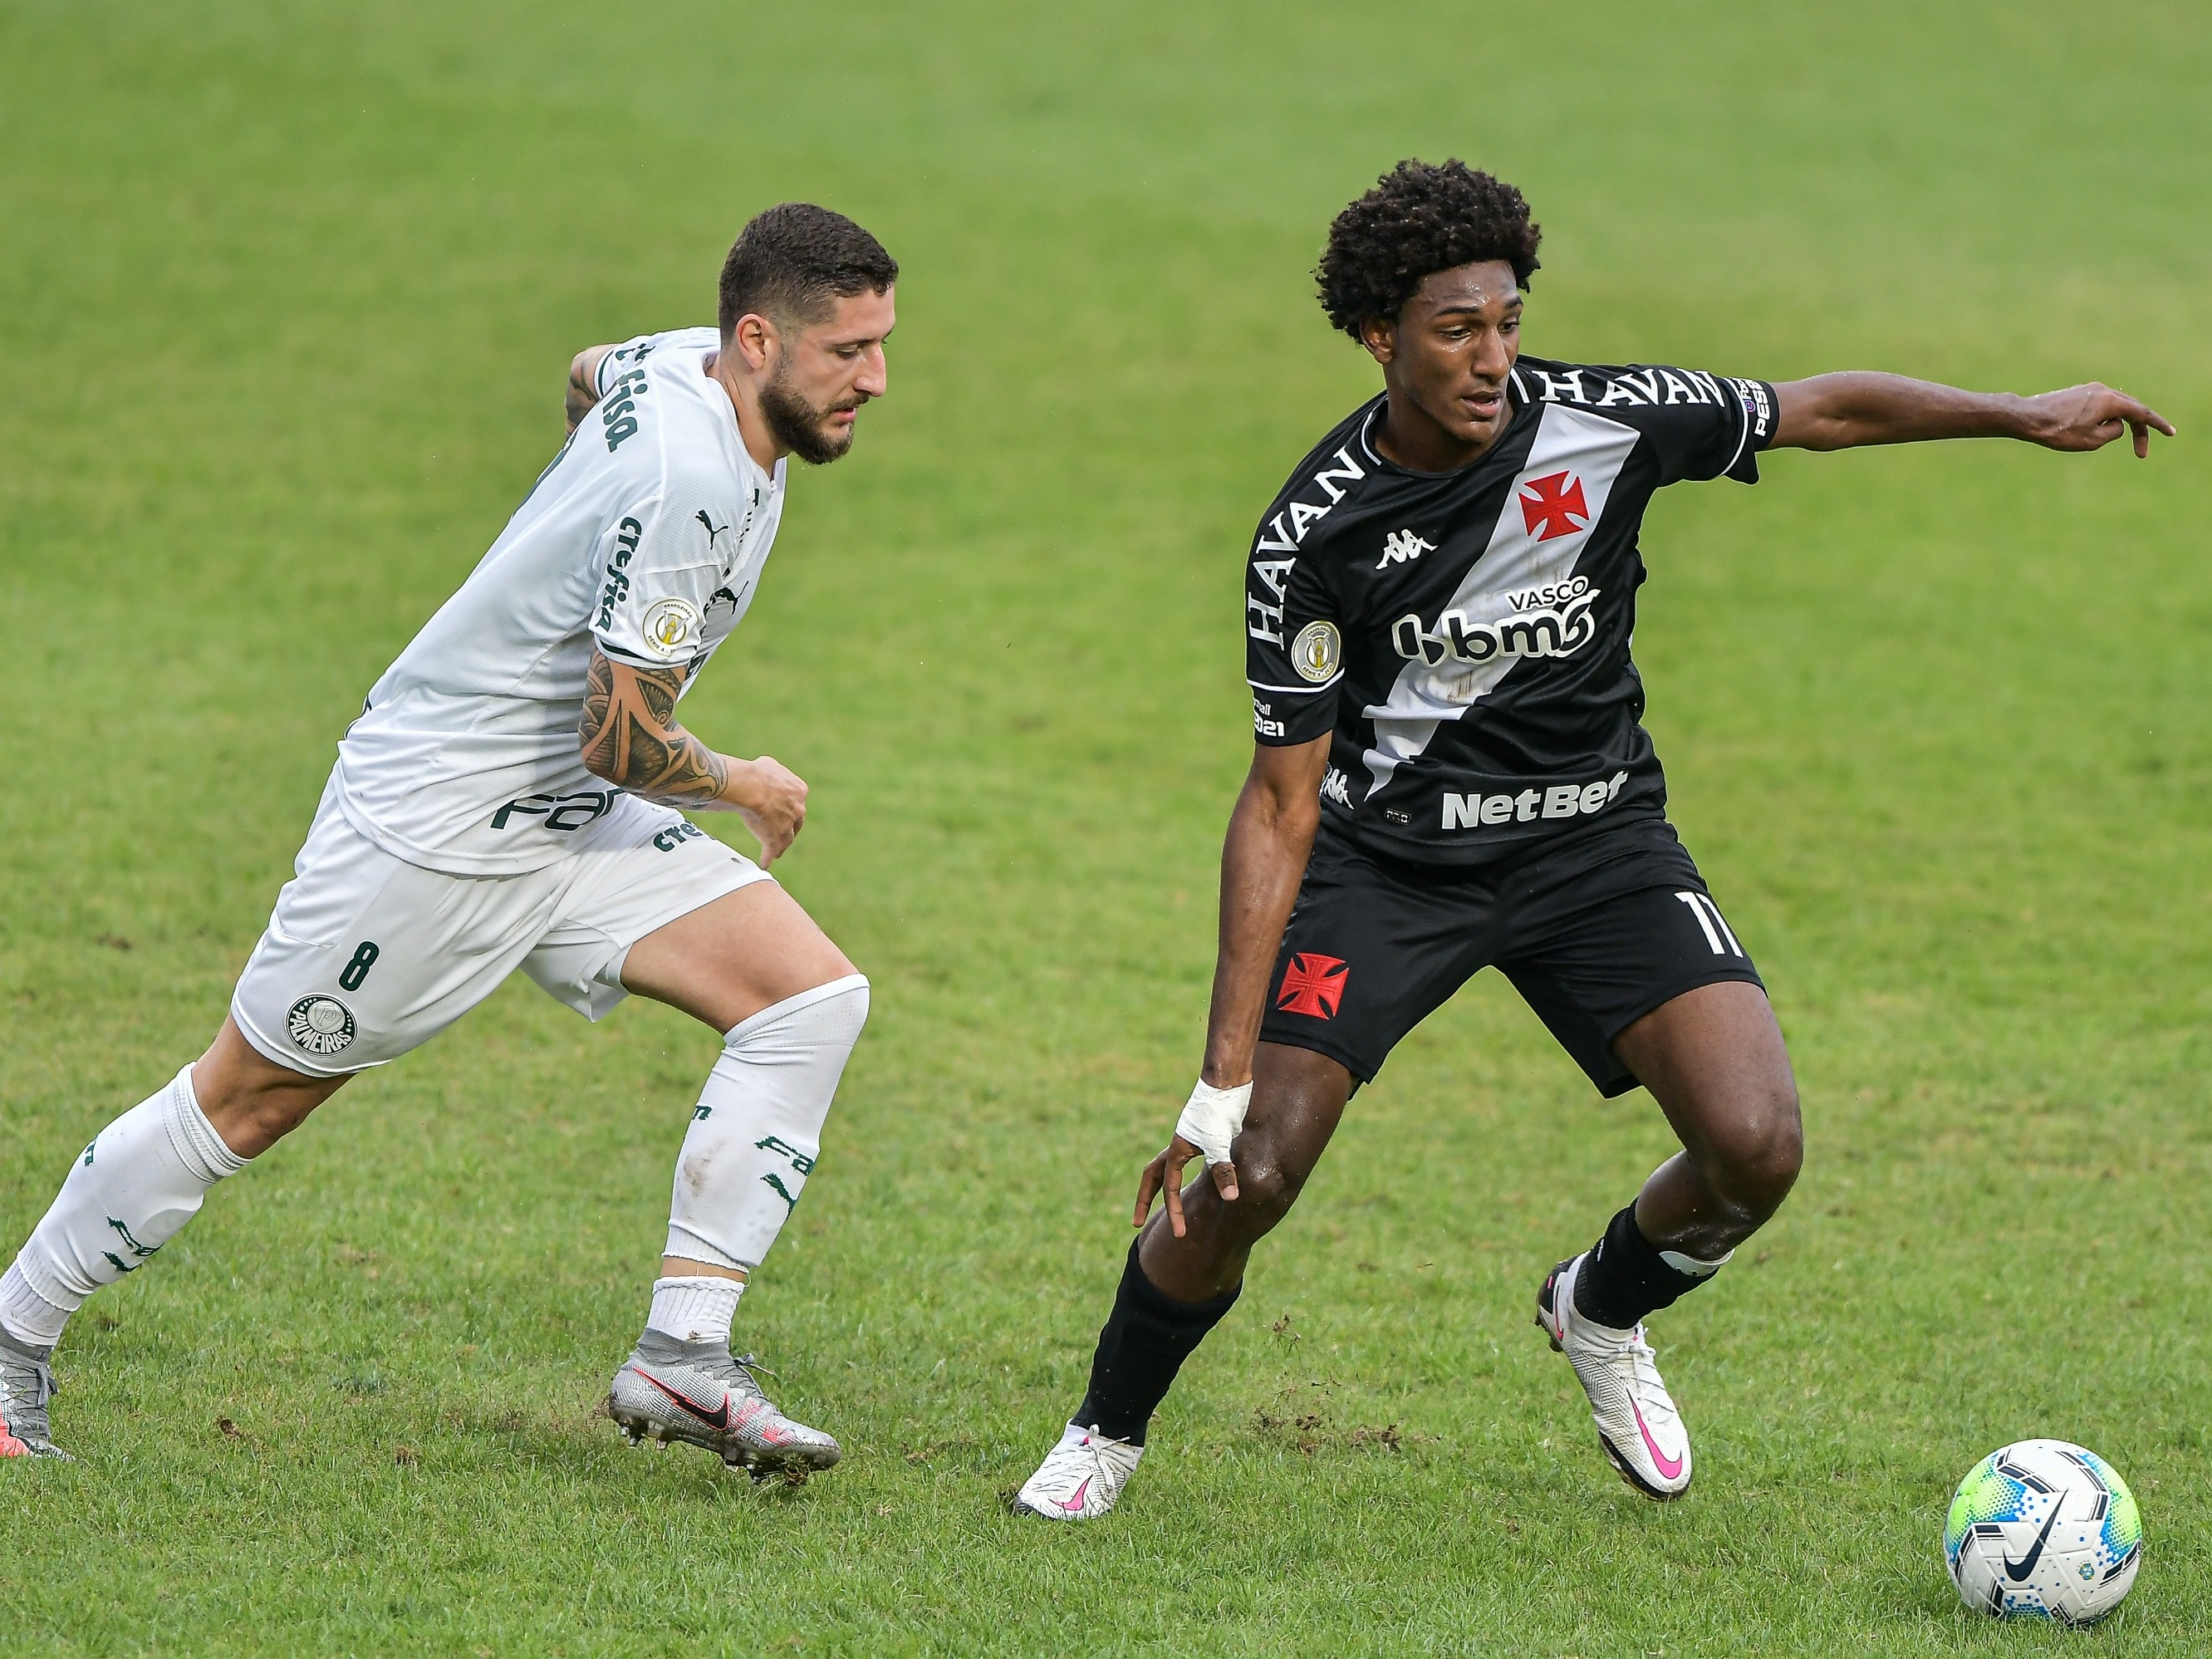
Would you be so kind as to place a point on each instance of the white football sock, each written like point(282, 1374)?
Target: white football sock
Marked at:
point(695, 1310)
point(135, 1186)
point(758, 1126)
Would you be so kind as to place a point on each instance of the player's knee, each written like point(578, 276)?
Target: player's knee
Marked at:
point(1267, 1187)
point(1761, 1158)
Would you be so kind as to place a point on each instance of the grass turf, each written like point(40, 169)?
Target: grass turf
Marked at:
point(287, 296)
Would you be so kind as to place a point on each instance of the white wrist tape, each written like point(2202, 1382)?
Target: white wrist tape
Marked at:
point(1213, 1118)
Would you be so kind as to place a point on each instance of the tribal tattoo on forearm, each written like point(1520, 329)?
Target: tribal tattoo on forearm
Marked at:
point(630, 738)
point(582, 394)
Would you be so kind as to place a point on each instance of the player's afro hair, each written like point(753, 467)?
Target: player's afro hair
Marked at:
point(791, 262)
point(1419, 219)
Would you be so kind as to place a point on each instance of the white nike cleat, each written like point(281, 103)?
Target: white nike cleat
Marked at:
point(1080, 1479)
point(27, 1382)
point(1637, 1422)
point(700, 1394)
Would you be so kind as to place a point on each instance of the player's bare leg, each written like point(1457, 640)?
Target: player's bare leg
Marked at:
point(754, 966)
point(1183, 1274)
point(1714, 1058)
point(1298, 1099)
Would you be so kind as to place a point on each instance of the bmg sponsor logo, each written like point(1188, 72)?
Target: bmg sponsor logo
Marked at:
point(1550, 621)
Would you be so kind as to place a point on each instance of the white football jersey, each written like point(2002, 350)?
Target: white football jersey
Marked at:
point(647, 535)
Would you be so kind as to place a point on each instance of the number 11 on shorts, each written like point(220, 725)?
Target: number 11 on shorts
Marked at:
point(1709, 918)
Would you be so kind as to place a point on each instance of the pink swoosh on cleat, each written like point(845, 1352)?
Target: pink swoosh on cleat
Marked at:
point(1076, 1502)
point(1669, 1468)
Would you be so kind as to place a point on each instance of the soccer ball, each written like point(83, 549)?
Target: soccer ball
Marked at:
point(2043, 1529)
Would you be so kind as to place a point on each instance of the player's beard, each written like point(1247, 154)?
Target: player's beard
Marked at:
point(799, 426)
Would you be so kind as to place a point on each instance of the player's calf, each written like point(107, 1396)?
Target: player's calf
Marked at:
point(753, 1140)
point(127, 1194)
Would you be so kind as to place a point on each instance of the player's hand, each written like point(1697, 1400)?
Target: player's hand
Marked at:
point(2090, 416)
point(1164, 1174)
point(771, 798)
point(1211, 1122)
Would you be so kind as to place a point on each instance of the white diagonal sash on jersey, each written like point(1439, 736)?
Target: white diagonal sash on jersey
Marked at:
point(1573, 440)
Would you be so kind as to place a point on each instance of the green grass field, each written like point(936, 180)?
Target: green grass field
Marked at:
point(286, 294)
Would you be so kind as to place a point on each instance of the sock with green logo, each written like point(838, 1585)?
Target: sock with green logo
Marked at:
point(127, 1194)
point(757, 1127)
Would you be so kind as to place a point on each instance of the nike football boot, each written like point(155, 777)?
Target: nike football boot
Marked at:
point(1080, 1479)
point(27, 1382)
point(698, 1392)
point(1637, 1422)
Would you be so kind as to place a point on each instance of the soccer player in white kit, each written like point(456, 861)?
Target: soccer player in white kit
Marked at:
point(509, 797)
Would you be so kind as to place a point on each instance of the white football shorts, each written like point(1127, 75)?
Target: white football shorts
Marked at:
point(366, 956)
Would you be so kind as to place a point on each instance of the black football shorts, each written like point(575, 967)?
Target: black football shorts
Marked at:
point(1595, 932)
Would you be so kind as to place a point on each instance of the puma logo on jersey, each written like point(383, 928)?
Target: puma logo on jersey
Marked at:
point(1403, 547)
point(712, 532)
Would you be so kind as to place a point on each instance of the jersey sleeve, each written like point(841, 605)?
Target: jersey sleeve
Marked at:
point(1702, 425)
point(655, 573)
point(1293, 645)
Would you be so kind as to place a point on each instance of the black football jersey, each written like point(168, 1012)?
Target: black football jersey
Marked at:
point(1465, 635)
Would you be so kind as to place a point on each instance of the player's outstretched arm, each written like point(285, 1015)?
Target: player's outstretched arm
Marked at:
point(630, 736)
point(1263, 859)
point(584, 382)
point(1846, 410)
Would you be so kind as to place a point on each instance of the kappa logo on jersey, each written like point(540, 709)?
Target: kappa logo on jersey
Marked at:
point(1553, 620)
point(1556, 503)
point(1313, 984)
point(627, 534)
point(618, 407)
point(1283, 534)
point(1336, 786)
point(1403, 547)
point(319, 1024)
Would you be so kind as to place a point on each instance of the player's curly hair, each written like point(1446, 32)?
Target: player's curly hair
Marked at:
point(1419, 218)
point(793, 261)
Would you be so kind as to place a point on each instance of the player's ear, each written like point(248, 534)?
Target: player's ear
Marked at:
point(755, 339)
point(1380, 335)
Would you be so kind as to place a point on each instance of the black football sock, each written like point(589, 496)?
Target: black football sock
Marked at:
point(1146, 1339)
point(1626, 1276)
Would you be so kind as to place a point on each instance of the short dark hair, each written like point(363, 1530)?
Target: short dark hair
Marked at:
point(790, 263)
point(1419, 219)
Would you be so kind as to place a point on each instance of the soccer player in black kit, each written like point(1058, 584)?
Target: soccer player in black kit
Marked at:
point(1451, 774)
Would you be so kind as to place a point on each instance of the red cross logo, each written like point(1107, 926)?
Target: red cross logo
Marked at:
point(1313, 985)
point(1555, 504)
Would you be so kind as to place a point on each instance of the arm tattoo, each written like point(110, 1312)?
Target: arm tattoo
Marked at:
point(583, 384)
point(629, 736)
